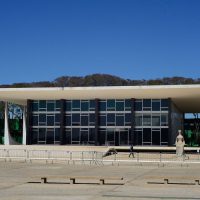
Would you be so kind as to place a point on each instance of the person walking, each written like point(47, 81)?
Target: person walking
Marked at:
point(131, 152)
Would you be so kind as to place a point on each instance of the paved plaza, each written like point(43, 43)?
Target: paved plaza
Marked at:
point(15, 176)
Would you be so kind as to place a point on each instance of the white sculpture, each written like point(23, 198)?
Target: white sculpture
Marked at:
point(180, 143)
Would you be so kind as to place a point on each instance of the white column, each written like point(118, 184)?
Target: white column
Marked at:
point(24, 126)
point(6, 126)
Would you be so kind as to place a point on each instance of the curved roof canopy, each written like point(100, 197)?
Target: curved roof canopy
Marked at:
point(186, 97)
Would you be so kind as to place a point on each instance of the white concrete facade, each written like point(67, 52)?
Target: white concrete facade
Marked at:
point(186, 97)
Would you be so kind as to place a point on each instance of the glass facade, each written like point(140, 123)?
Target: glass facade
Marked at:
point(45, 121)
point(80, 121)
point(151, 121)
point(108, 121)
point(115, 122)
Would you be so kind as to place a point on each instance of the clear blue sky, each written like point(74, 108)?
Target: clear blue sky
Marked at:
point(135, 39)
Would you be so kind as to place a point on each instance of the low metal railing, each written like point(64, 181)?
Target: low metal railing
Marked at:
point(94, 157)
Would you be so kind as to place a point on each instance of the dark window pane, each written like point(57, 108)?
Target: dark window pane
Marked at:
point(92, 134)
point(42, 104)
point(84, 120)
point(164, 119)
point(34, 136)
point(68, 136)
point(102, 120)
point(76, 105)
point(138, 137)
point(42, 134)
point(155, 105)
point(146, 135)
point(84, 137)
point(50, 120)
point(138, 105)
point(111, 105)
point(58, 105)
point(92, 104)
point(138, 120)
point(84, 106)
point(50, 136)
point(68, 106)
point(119, 120)
point(146, 102)
point(42, 118)
point(75, 119)
point(75, 134)
point(155, 120)
point(128, 118)
point(57, 134)
point(110, 135)
point(124, 137)
point(155, 137)
point(111, 117)
point(35, 120)
point(92, 117)
point(146, 120)
point(102, 137)
point(164, 103)
point(164, 135)
point(57, 118)
point(119, 106)
point(50, 106)
point(128, 103)
point(102, 106)
point(68, 120)
point(35, 106)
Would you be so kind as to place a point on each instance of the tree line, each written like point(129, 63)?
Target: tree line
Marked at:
point(103, 80)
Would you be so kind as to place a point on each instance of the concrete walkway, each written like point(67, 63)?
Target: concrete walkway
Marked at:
point(15, 176)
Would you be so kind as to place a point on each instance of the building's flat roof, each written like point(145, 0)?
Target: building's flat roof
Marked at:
point(186, 97)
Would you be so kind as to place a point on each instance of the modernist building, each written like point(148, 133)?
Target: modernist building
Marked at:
point(119, 115)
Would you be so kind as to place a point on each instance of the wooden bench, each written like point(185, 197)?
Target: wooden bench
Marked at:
point(73, 179)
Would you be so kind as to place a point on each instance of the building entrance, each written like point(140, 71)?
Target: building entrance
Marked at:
point(117, 136)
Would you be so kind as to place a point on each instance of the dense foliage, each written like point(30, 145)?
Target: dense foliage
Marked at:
point(103, 80)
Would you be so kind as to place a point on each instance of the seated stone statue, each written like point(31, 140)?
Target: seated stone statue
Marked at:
point(180, 143)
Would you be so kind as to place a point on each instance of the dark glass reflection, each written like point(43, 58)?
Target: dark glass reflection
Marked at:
point(75, 134)
point(42, 118)
point(155, 106)
point(119, 120)
point(50, 120)
point(111, 105)
point(155, 137)
point(75, 105)
point(146, 135)
point(102, 106)
point(50, 136)
point(50, 106)
point(119, 106)
point(164, 103)
point(42, 104)
point(35, 120)
point(84, 106)
point(164, 135)
point(68, 106)
point(102, 120)
point(42, 134)
point(84, 120)
point(35, 106)
point(138, 105)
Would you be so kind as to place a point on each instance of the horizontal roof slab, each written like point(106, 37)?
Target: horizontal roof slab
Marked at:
point(186, 97)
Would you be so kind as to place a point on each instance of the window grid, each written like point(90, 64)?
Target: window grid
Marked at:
point(151, 118)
